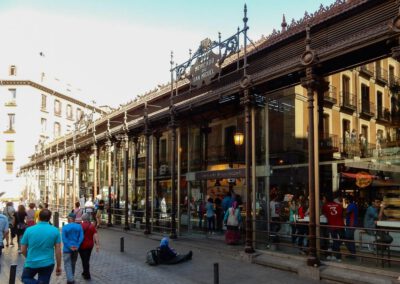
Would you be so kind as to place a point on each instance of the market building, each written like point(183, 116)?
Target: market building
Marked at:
point(310, 110)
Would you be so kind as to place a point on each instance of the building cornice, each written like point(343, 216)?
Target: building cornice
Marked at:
point(49, 91)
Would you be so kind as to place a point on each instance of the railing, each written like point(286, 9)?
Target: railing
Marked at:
point(366, 70)
point(367, 108)
point(381, 75)
point(383, 114)
point(352, 245)
point(330, 96)
point(328, 141)
point(347, 100)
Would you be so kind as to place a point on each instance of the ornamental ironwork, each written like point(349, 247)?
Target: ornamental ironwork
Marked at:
point(205, 63)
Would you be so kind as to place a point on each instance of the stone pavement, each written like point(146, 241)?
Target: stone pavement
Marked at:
point(112, 266)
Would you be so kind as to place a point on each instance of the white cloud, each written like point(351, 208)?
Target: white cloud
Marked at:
point(111, 61)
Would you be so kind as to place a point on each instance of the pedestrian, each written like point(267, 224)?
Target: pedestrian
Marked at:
point(351, 223)
point(78, 211)
point(334, 213)
point(227, 202)
point(375, 213)
point(4, 228)
point(37, 212)
point(42, 240)
point(30, 215)
point(9, 212)
point(201, 210)
point(210, 213)
point(72, 237)
point(90, 239)
point(99, 212)
point(20, 224)
point(233, 220)
point(89, 208)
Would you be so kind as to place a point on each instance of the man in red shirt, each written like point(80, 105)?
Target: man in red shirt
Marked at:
point(90, 239)
point(334, 213)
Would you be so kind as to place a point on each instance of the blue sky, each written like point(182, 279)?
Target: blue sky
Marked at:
point(113, 50)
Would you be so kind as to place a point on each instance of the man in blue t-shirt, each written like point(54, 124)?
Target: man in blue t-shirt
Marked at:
point(41, 240)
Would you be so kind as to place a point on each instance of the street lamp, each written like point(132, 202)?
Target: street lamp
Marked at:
point(238, 138)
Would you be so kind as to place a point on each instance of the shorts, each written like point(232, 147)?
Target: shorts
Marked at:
point(98, 213)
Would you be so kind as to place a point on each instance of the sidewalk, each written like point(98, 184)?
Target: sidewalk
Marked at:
point(112, 266)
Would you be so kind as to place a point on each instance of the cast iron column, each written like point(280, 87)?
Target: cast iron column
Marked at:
point(308, 59)
point(172, 126)
point(147, 173)
point(245, 83)
point(247, 111)
point(157, 136)
point(94, 148)
point(135, 171)
point(109, 169)
point(173, 182)
point(126, 192)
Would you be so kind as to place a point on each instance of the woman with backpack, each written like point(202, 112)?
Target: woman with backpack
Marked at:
point(20, 224)
point(9, 212)
point(232, 219)
point(78, 211)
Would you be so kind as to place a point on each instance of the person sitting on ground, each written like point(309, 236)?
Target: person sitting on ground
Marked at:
point(168, 255)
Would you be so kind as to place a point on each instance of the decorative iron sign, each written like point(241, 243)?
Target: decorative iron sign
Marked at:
point(206, 66)
point(230, 173)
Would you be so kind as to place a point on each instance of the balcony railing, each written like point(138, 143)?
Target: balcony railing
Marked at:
point(394, 83)
point(330, 96)
point(364, 69)
point(347, 101)
point(381, 75)
point(383, 114)
point(351, 149)
point(367, 109)
point(329, 142)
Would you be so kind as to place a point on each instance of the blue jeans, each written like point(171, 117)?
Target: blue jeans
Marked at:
point(69, 264)
point(28, 275)
point(349, 235)
point(337, 237)
point(211, 224)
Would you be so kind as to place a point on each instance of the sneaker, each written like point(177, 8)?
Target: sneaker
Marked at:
point(339, 260)
point(333, 258)
point(329, 258)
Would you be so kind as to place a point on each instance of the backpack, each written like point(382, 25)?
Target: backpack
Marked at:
point(232, 219)
point(152, 257)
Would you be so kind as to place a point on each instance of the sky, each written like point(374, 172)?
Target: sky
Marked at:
point(110, 51)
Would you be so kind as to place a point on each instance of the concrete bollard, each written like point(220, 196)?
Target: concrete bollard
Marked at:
point(122, 244)
point(56, 220)
point(216, 273)
point(13, 273)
